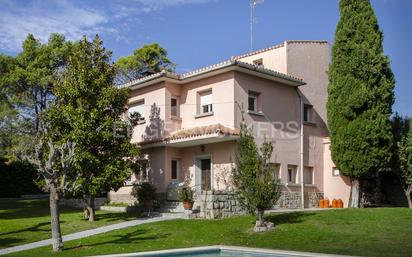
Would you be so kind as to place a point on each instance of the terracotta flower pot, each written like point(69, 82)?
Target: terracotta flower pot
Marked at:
point(340, 203)
point(188, 205)
point(326, 203)
point(334, 203)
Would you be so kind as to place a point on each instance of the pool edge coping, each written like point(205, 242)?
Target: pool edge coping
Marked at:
point(225, 248)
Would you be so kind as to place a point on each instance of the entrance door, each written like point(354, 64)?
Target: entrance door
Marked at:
point(206, 175)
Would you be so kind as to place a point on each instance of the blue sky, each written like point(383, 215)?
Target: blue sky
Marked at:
point(202, 32)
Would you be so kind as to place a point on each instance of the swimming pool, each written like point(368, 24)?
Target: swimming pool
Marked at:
point(221, 251)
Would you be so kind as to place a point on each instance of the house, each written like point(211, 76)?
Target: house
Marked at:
point(190, 123)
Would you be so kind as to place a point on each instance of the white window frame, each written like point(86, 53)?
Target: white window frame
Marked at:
point(177, 106)
point(209, 105)
point(134, 105)
point(306, 169)
point(277, 165)
point(144, 172)
point(255, 100)
point(307, 113)
point(335, 172)
point(294, 169)
point(177, 169)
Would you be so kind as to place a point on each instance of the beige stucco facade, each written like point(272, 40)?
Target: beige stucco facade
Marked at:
point(280, 101)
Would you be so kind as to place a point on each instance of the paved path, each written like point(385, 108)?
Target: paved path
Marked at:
point(90, 232)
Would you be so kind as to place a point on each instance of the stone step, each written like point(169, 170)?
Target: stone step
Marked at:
point(172, 207)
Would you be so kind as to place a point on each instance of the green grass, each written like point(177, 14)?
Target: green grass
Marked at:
point(25, 221)
point(367, 232)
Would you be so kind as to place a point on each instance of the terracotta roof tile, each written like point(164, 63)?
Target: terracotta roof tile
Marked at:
point(202, 131)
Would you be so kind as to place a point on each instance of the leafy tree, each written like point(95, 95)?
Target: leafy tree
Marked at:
point(402, 158)
point(361, 95)
point(253, 176)
point(88, 112)
point(8, 113)
point(405, 158)
point(144, 61)
point(28, 82)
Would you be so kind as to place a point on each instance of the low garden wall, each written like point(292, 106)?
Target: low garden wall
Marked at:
point(79, 203)
point(292, 200)
point(217, 204)
point(221, 204)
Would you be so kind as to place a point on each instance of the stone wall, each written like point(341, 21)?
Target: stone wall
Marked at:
point(122, 198)
point(292, 200)
point(217, 204)
point(312, 199)
point(221, 204)
point(79, 203)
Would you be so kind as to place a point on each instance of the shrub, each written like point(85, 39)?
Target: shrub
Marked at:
point(146, 192)
point(185, 193)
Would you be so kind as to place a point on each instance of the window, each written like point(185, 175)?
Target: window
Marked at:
point(174, 103)
point(292, 174)
point(253, 101)
point(137, 109)
point(142, 175)
point(206, 102)
point(335, 172)
point(276, 170)
point(307, 113)
point(258, 62)
point(175, 169)
point(308, 176)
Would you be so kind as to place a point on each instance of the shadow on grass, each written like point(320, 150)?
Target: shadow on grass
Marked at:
point(127, 238)
point(289, 218)
point(20, 209)
point(34, 228)
point(9, 242)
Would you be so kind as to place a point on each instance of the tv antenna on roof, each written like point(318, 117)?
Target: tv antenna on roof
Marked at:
point(253, 4)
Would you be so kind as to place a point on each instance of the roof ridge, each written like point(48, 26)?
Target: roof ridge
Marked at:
point(308, 41)
point(235, 57)
point(186, 74)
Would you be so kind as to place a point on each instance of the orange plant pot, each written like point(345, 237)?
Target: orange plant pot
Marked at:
point(326, 203)
point(334, 203)
point(321, 203)
point(340, 203)
point(188, 205)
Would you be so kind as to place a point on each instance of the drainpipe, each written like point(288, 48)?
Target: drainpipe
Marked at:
point(302, 185)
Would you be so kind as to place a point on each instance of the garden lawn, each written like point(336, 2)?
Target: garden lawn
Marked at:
point(367, 232)
point(26, 221)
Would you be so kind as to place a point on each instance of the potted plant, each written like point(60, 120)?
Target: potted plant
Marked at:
point(146, 194)
point(186, 196)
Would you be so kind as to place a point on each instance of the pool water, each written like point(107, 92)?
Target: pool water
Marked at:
point(219, 253)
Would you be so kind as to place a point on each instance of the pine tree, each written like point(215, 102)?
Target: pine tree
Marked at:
point(360, 95)
point(144, 61)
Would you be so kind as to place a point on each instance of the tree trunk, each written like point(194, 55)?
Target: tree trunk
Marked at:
point(55, 219)
point(89, 208)
point(260, 218)
point(354, 193)
point(409, 197)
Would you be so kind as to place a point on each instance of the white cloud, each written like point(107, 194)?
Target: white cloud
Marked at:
point(41, 19)
point(152, 5)
point(73, 19)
